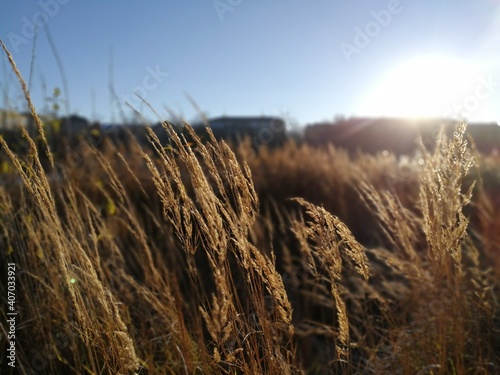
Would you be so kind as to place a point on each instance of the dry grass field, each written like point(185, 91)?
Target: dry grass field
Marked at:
point(188, 259)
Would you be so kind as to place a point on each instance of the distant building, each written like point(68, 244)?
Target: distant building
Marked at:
point(486, 137)
point(394, 134)
point(11, 120)
point(72, 125)
point(262, 130)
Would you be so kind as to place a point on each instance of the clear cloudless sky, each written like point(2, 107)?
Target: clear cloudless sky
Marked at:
point(307, 60)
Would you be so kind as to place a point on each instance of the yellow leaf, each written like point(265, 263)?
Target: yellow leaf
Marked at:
point(10, 250)
point(56, 125)
point(5, 168)
point(110, 207)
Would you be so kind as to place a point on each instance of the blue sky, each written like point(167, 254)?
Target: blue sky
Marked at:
point(309, 61)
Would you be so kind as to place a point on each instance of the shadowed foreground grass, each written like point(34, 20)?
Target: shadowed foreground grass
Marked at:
point(189, 260)
point(164, 261)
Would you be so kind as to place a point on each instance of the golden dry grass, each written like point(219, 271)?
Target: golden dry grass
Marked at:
point(189, 260)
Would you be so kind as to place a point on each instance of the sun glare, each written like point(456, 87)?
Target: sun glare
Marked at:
point(428, 86)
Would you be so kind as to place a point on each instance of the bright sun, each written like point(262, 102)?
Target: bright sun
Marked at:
point(428, 86)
